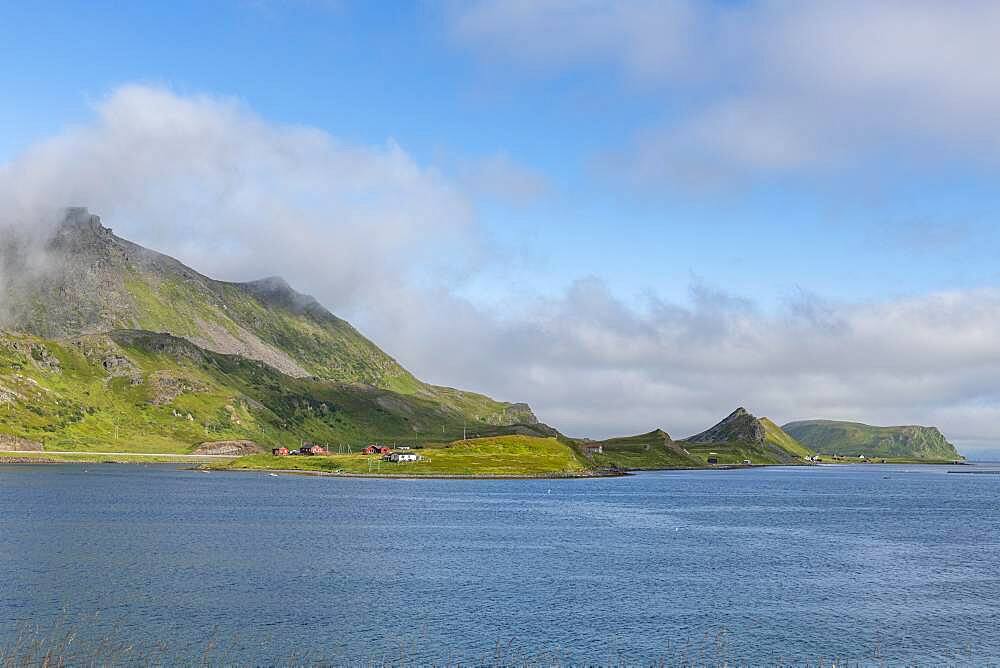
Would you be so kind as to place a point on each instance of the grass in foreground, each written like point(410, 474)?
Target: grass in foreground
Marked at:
point(494, 456)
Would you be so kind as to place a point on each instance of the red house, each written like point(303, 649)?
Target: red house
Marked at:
point(279, 452)
point(312, 450)
point(377, 450)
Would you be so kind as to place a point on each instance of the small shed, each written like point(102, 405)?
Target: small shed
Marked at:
point(713, 460)
point(593, 449)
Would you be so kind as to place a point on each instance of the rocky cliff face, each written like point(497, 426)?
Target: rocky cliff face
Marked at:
point(739, 426)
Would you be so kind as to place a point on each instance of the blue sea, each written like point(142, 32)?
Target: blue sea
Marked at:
point(875, 565)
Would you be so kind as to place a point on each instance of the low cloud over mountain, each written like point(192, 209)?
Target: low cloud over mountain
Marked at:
point(392, 243)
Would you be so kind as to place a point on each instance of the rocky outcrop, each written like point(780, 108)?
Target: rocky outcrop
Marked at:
point(740, 426)
point(519, 413)
point(165, 386)
point(234, 448)
point(11, 443)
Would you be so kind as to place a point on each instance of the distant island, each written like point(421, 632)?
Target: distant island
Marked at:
point(853, 439)
point(110, 350)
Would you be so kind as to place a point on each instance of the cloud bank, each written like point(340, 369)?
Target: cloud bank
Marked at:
point(375, 235)
point(763, 87)
point(206, 179)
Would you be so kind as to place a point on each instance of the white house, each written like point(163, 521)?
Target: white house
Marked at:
point(403, 457)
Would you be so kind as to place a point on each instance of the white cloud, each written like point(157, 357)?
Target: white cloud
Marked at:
point(364, 228)
point(205, 179)
point(774, 86)
point(499, 177)
point(593, 365)
point(646, 37)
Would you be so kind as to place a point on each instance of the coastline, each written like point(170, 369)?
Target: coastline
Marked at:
point(428, 476)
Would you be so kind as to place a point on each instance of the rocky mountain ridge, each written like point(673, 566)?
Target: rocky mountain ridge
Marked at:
point(90, 281)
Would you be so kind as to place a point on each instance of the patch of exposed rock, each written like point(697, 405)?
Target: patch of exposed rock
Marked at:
point(234, 448)
point(165, 386)
point(39, 355)
point(739, 426)
point(119, 366)
point(219, 339)
point(11, 443)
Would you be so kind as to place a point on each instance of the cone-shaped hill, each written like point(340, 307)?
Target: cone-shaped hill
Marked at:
point(741, 436)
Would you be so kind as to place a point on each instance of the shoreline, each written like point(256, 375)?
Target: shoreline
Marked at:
point(545, 476)
point(205, 464)
point(428, 476)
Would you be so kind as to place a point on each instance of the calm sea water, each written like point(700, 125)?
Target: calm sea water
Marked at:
point(900, 564)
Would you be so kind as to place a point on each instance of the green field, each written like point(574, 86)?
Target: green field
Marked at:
point(840, 459)
point(492, 456)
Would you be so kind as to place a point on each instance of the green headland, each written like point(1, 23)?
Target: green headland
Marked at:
point(110, 350)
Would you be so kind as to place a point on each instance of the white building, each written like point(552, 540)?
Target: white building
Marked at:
point(403, 457)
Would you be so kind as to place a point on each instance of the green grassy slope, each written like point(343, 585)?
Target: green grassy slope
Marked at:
point(93, 282)
point(134, 391)
point(513, 455)
point(657, 450)
point(741, 436)
point(654, 450)
point(778, 437)
point(853, 439)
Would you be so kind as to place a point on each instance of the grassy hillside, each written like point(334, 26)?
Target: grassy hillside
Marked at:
point(654, 450)
point(89, 281)
point(513, 455)
point(741, 436)
point(778, 437)
point(853, 439)
point(134, 391)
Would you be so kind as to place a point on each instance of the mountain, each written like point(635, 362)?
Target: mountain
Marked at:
point(90, 310)
point(739, 426)
point(740, 436)
point(854, 439)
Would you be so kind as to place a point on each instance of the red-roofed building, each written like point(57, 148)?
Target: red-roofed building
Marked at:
point(377, 450)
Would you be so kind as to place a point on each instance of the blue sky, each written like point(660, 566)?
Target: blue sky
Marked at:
point(368, 72)
point(837, 153)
